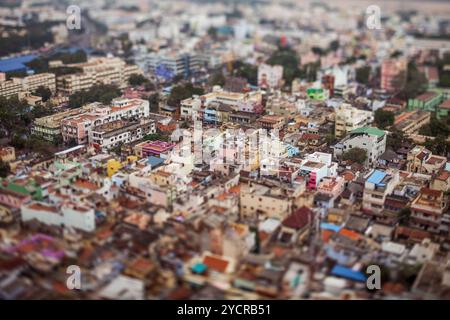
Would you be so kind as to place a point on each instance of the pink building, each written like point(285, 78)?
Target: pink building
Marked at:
point(153, 148)
point(393, 74)
point(250, 106)
point(13, 199)
point(332, 186)
point(77, 128)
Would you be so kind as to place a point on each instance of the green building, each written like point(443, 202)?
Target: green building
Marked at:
point(27, 187)
point(443, 110)
point(316, 94)
point(428, 101)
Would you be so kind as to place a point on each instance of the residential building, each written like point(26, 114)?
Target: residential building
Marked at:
point(259, 201)
point(270, 77)
point(410, 122)
point(393, 74)
point(271, 122)
point(104, 70)
point(76, 128)
point(118, 132)
point(30, 83)
point(68, 214)
point(443, 109)
point(153, 148)
point(316, 167)
point(371, 139)
point(349, 118)
point(427, 210)
point(49, 127)
point(167, 64)
point(422, 160)
point(428, 101)
point(377, 186)
point(441, 181)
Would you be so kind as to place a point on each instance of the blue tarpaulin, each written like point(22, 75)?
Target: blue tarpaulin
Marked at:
point(330, 226)
point(347, 273)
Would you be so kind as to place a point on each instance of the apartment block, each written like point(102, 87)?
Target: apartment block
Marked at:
point(371, 139)
point(167, 64)
point(258, 201)
point(410, 122)
point(377, 186)
point(69, 214)
point(349, 118)
point(30, 83)
point(270, 76)
point(427, 210)
point(115, 133)
point(393, 74)
point(49, 127)
point(76, 128)
point(104, 70)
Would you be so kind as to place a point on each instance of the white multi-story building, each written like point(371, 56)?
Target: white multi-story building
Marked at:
point(68, 214)
point(377, 186)
point(115, 133)
point(349, 118)
point(317, 166)
point(169, 63)
point(371, 139)
point(191, 107)
point(270, 76)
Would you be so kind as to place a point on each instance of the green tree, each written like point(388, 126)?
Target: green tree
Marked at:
point(136, 80)
point(4, 169)
point(363, 75)
point(212, 32)
point(246, 71)
point(181, 92)
point(384, 118)
point(309, 71)
point(289, 60)
point(156, 136)
point(439, 145)
point(404, 215)
point(356, 155)
point(43, 92)
point(103, 93)
point(153, 100)
point(396, 139)
point(217, 79)
point(414, 82)
point(436, 128)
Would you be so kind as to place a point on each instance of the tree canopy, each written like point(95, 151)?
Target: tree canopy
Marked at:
point(356, 155)
point(181, 92)
point(384, 118)
point(289, 60)
point(103, 93)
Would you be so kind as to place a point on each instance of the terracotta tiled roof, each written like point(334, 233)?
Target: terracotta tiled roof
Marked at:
point(215, 263)
point(299, 219)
